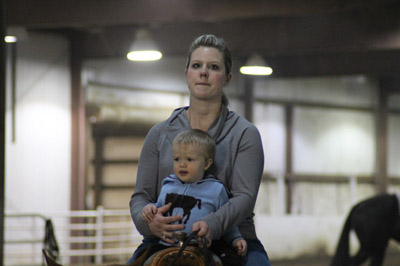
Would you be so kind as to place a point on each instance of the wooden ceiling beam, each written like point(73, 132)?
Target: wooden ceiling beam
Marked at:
point(266, 36)
point(384, 64)
point(42, 14)
point(301, 37)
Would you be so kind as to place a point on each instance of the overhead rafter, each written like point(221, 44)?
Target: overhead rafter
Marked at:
point(91, 13)
point(325, 34)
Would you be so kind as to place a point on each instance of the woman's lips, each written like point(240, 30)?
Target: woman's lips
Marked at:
point(203, 84)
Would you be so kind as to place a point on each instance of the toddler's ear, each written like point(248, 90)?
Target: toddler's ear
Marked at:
point(208, 164)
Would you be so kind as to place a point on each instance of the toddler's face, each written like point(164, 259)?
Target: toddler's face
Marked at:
point(189, 162)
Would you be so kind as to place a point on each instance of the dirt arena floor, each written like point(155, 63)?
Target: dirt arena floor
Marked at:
point(392, 259)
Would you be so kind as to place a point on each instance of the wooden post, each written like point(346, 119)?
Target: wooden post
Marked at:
point(289, 151)
point(381, 177)
point(98, 171)
point(248, 98)
point(78, 184)
point(3, 21)
point(77, 127)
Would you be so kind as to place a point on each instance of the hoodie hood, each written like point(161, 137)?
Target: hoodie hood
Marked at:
point(174, 179)
point(218, 130)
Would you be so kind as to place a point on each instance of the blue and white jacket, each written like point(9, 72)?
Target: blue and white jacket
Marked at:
point(194, 201)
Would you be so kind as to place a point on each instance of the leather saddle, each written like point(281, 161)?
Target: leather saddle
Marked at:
point(181, 255)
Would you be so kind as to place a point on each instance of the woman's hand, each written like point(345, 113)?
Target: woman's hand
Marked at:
point(161, 226)
point(204, 230)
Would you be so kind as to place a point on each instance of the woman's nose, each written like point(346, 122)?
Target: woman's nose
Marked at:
point(204, 72)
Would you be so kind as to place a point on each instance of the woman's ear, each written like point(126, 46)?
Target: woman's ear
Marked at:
point(228, 79)
point(208, 164)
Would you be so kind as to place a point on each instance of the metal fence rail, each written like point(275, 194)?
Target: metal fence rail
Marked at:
point(84, 237)
point(24, 234)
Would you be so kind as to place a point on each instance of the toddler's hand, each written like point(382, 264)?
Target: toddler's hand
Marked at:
point(241, 246)
point(148, 212)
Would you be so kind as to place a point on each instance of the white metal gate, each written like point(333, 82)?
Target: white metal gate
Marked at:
point(84, 237)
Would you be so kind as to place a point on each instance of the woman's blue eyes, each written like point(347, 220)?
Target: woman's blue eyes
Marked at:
point(213, 67)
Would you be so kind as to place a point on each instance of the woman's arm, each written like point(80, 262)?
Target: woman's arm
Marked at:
point(146, 180)
point(233, 234)
point(247, 169)
point(146, 190)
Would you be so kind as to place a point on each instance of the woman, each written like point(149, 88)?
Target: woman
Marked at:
point(239, 158)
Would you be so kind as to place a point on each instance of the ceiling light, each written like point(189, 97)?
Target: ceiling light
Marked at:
point(143, 48)
point(15, 34)
point(256, 65)
point(10, 39)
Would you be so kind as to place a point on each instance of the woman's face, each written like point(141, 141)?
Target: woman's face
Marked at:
point(206, 74)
